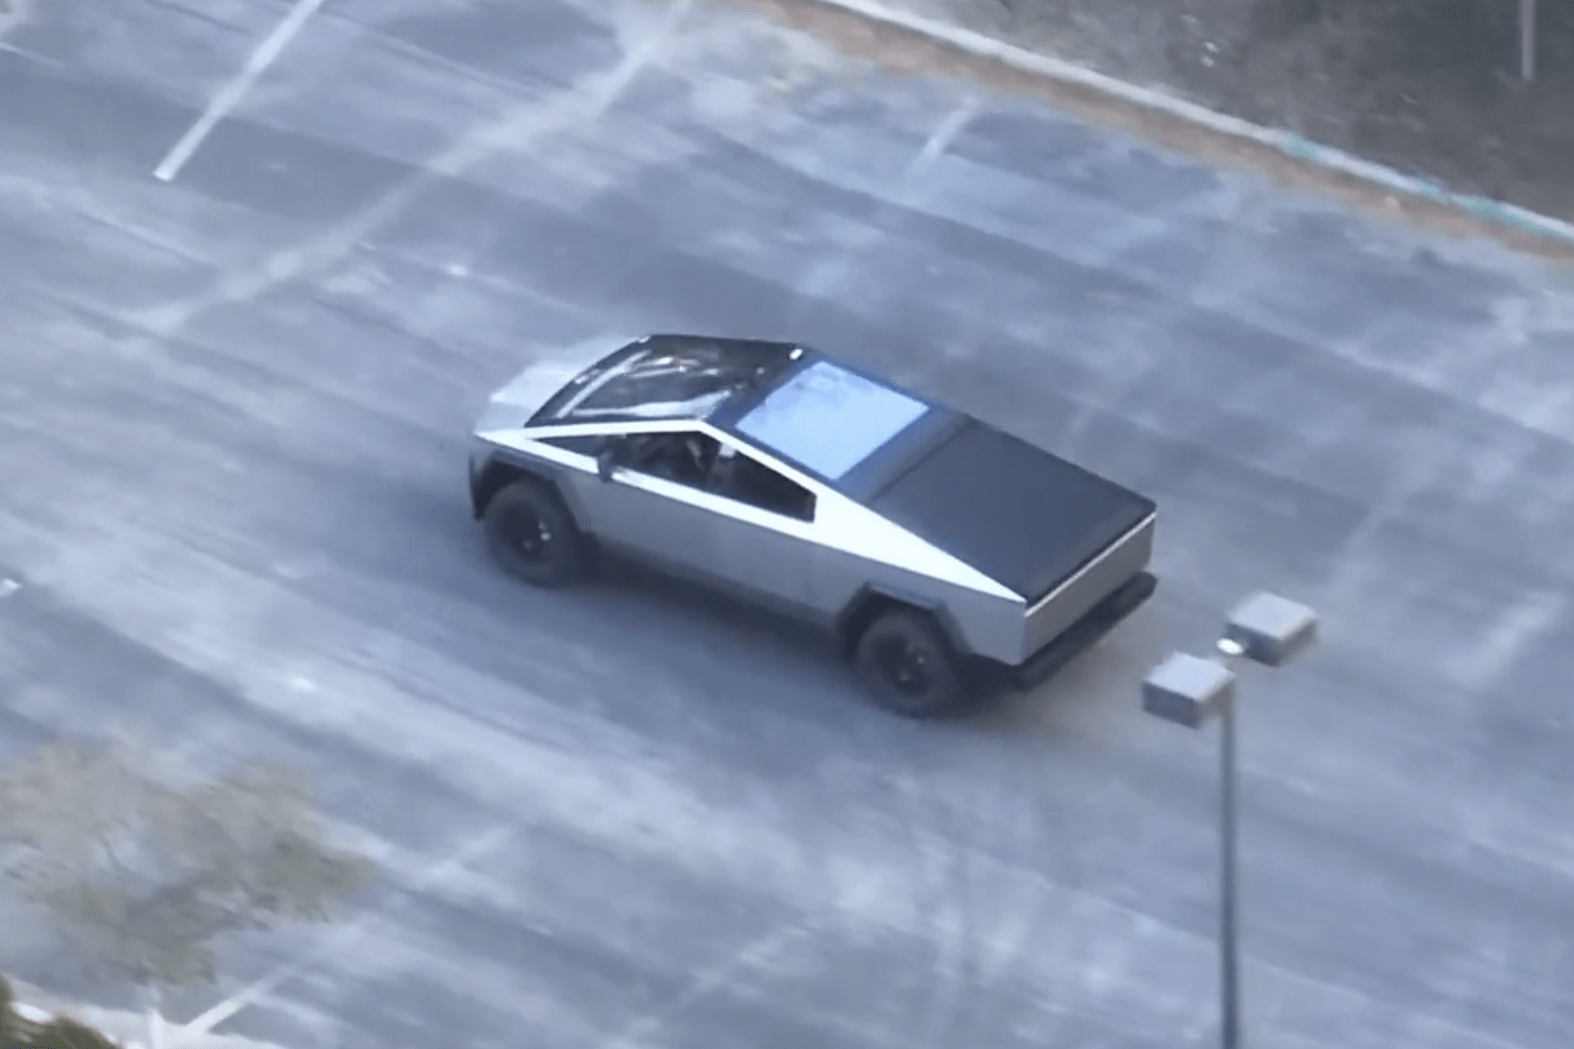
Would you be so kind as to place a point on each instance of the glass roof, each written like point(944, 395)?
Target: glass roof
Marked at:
point(667, 377)
point(830, 419)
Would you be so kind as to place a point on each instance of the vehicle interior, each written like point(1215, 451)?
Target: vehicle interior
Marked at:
point(698, 460)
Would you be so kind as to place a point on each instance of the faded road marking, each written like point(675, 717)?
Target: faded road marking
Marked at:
point(236, 89)
point(721, 975)
point(833, 271)
point(514, 131)
point(430, 878)
point(1481, 665)
point(943, 136)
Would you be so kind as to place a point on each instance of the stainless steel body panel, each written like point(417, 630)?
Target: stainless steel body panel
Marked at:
point(797, 571)
point(804, 568)
point(644, 517)
point(978, 623)
point(1068, 602)
point(769, 561)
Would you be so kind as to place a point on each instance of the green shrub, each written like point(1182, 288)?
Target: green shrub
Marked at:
point(17, 1032)
point(68, 1034)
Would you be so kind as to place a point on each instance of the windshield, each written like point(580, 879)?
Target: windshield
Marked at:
point(829, 419)
point(667, 377)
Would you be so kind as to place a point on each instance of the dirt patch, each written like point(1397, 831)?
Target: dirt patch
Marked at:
point(1320, 90)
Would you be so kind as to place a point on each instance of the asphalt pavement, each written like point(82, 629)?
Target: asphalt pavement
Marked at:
point(232, 494)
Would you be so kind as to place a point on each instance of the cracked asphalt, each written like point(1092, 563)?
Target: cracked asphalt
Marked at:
point(232, 493)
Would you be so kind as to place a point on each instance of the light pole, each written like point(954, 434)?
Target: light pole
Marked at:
point(1189, 691)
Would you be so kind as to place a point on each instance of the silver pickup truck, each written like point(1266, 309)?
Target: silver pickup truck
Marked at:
point(945, 556)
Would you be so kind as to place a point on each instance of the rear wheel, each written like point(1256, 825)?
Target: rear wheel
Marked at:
point(532, 536)
point(906, 665)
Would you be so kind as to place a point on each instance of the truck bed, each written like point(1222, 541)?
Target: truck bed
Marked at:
point(1022, 516)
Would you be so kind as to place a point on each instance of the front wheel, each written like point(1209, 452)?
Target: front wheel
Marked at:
point(532, 536)
point(907, 666)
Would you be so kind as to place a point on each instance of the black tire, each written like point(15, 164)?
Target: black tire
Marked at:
point(532, 536)
point(907, 666)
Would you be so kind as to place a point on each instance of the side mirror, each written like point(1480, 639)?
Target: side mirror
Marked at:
point(606, 460)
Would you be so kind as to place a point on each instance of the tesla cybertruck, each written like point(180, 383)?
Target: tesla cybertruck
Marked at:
point(943, 554)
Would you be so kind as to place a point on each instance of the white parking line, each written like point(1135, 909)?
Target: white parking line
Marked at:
point(944, 135)
point(516, 131)
point(833, 270)
point(236, 89)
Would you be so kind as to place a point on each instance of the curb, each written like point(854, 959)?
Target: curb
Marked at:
point(1515, 218)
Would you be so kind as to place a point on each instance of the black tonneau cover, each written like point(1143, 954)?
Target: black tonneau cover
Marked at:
point(1020, 515)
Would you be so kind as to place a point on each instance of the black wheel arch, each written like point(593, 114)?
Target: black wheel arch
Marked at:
point(498, 472)
point(872, 601)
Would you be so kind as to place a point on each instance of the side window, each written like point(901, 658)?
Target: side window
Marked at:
point(683, 458)
point(738, 476)
point(584, 444)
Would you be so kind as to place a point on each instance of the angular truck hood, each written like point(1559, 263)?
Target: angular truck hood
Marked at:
point(512, 405)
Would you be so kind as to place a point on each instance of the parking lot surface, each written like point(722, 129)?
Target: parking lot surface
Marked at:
point(232, 504)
